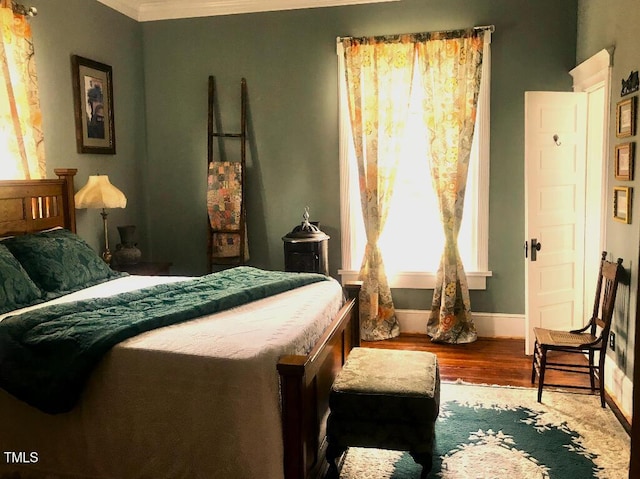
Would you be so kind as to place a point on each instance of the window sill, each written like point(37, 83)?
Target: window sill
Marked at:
point(477, 280)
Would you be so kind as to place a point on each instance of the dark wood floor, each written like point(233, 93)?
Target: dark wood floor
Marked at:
point(485, 361)
point(490, 361)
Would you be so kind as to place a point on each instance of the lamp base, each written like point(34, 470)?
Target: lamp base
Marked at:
point(106, 254)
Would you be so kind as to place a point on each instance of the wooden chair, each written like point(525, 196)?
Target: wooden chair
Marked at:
point(592, 338)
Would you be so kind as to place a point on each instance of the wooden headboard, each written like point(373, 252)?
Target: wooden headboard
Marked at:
point(27, 206)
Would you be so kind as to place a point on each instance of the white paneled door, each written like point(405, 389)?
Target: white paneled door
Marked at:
point(555, 169)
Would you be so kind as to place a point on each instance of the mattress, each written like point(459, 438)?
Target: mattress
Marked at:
point(198, 399)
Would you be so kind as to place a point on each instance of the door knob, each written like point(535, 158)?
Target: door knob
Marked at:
point(535, 247)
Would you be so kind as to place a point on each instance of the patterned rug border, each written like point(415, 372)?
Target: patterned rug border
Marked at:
point(575, 411)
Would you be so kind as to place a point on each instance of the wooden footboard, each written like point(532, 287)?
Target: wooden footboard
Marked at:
point(305, 383)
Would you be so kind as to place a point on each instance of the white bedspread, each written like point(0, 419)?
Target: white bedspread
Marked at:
point(198, 399)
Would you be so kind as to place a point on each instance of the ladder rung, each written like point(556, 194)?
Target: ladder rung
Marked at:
point(227, 135)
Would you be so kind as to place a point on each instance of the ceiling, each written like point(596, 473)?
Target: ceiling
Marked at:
point(149, 10)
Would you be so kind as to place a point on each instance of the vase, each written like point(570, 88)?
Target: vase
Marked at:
point(127, 251)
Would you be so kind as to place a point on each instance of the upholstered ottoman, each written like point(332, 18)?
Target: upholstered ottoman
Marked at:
point(385, 399)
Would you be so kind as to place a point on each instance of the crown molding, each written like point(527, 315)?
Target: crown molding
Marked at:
point(150, 10)
point(126, 7)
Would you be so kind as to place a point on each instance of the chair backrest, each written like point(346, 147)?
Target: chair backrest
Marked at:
point(609, 276)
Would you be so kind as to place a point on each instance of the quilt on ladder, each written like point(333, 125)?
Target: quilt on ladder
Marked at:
point(224, 206)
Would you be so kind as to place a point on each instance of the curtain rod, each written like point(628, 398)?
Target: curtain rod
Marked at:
point(22, 10)
point(490, 28)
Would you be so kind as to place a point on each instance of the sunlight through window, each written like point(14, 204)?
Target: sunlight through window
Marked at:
point(413, 239)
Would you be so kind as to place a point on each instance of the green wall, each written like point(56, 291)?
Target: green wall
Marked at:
point(601, 26)
point(87, 28)
point(289, 60)
point(160, 72)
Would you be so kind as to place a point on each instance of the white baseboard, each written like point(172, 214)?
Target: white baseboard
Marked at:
point(488, 325)
point(619, 386)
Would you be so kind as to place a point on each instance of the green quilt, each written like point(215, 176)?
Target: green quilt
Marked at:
point(47, 355)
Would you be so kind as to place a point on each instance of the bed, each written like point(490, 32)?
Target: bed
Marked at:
point(167, 402)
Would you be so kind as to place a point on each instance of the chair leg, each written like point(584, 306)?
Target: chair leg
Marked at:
point(543, 365)
point(592, 378)
point(601, 377)
point(533, 362)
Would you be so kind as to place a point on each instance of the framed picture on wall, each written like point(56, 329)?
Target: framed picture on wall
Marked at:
point(624, 161)
point(626, 118)
point(93, 99)
point(622, 203)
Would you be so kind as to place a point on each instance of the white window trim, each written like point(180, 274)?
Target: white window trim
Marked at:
point(422, 280)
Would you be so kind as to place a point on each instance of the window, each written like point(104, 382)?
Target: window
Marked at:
point(412, 241)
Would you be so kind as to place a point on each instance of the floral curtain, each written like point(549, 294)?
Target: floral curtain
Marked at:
point(451, 63)
point(21, 138)
point(378, 78)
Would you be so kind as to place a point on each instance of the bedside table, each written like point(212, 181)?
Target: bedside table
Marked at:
point(144, 268)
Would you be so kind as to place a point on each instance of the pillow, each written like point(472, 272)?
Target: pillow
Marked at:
point(16, 288)
point(59, 261)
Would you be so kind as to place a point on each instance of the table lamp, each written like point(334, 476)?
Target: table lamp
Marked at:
point(100, 193)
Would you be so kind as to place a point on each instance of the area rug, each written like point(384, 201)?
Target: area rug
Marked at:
point(490, 432)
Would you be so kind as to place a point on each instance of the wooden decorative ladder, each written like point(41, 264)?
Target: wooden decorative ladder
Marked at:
point(227, 237)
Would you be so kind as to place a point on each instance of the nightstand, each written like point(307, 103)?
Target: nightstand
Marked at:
point(144, 268)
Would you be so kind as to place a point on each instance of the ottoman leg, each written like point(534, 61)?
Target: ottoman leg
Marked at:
point(333, 454)
point(425, 460)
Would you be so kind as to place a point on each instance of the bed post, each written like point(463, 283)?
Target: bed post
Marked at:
point(67, 175)
point(305, 383)
point(353, 292)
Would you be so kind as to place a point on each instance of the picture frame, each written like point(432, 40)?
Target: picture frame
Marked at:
point(93, 102)
point(622, 201)
point(630, 84)
point(626, 117)
point(624, 161)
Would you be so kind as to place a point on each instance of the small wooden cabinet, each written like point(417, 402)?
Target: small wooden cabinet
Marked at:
point(145, 268)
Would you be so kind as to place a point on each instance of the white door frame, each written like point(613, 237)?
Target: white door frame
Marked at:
point(592, 75)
